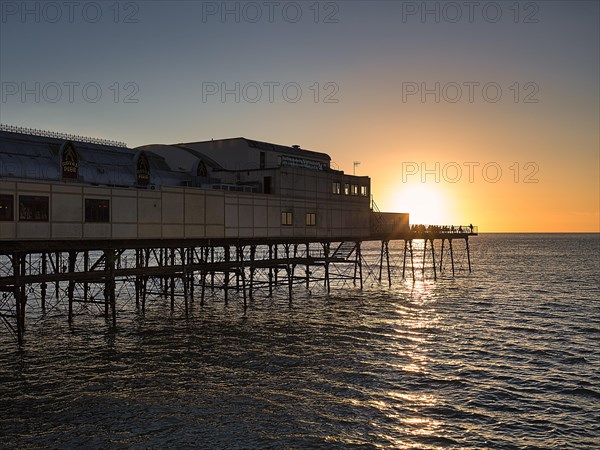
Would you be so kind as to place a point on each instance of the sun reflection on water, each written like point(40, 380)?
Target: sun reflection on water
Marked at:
point(415, 325)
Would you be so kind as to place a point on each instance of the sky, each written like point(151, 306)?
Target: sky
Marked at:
point(460, 112)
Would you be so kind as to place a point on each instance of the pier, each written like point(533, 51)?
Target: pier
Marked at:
point(87, 223)
point(65, 274)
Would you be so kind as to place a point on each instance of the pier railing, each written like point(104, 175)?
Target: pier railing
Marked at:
point(59, 135)
point(397, 225)
point(444, 229)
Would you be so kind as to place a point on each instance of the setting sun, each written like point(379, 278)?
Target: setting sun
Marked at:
point(426, 204)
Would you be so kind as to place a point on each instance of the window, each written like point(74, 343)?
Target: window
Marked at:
point(6, 208)
point(336, 187)
point(262, 160)
point(363, 191)
point(286, 218)
point(97, 210)
point(355, 189)
point(311, 219)
point(346, 189)
point(33, 208)
point(267, 185)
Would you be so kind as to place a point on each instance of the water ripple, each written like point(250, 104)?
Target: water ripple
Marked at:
point(505, 358)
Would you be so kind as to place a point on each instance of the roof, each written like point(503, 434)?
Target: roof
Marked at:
point(266, 146)
point(179, 157)
point(33, 157)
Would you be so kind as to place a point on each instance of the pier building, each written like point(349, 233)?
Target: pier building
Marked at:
point(83, 216)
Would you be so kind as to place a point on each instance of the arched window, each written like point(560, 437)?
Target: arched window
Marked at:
point(201, 171)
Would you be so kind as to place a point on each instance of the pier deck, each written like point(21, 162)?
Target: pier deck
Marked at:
point(80, 271)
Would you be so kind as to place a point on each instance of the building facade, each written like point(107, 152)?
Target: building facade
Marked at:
point(56, 187)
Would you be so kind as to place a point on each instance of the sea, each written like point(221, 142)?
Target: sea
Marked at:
point(507, 356)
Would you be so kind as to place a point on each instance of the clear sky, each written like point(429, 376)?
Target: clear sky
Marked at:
point(461, 112)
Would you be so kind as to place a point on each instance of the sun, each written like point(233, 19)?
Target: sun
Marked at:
point(426, 204)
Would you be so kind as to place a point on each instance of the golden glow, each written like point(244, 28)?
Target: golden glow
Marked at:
point(426, 204)
point(563, 195)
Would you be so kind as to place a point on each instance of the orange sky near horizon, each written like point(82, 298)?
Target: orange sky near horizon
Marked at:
point(497, 194)
point(502, 167)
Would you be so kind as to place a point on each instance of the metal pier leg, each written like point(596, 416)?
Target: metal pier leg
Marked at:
point(23, 293)
point(387, 257)
point(113, 296)
point(184, 279)
point(106, 286)
point(424, 256)
point(276, 265)
point(360, 271)
point(71, 288)
point(243, 275)
point(20, 311)
point(326, 252)
point(412, 259)
point(110, 285)
point(44, 285)
point(252, 259)
point(442, 256)
point(203, 275)
point(355, 265)
point(226, 273)
point(19, 293)
point(237, 272)
point(295, 257)
point(451, 255)
point(145, 263)
point(203, 287)
point(57, 270)
point(138, 278)
point(433, 259)
point(289, 270)
point(191, 261)
point(172, 278)
point(468, 253)
point(161, 262)
point(381, 262)
point(86, 268)
point(270, 270)
point(307, 266)
point(212, 273)
point(404, 259)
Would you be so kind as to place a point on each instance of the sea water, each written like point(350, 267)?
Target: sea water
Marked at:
point(504, 357)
